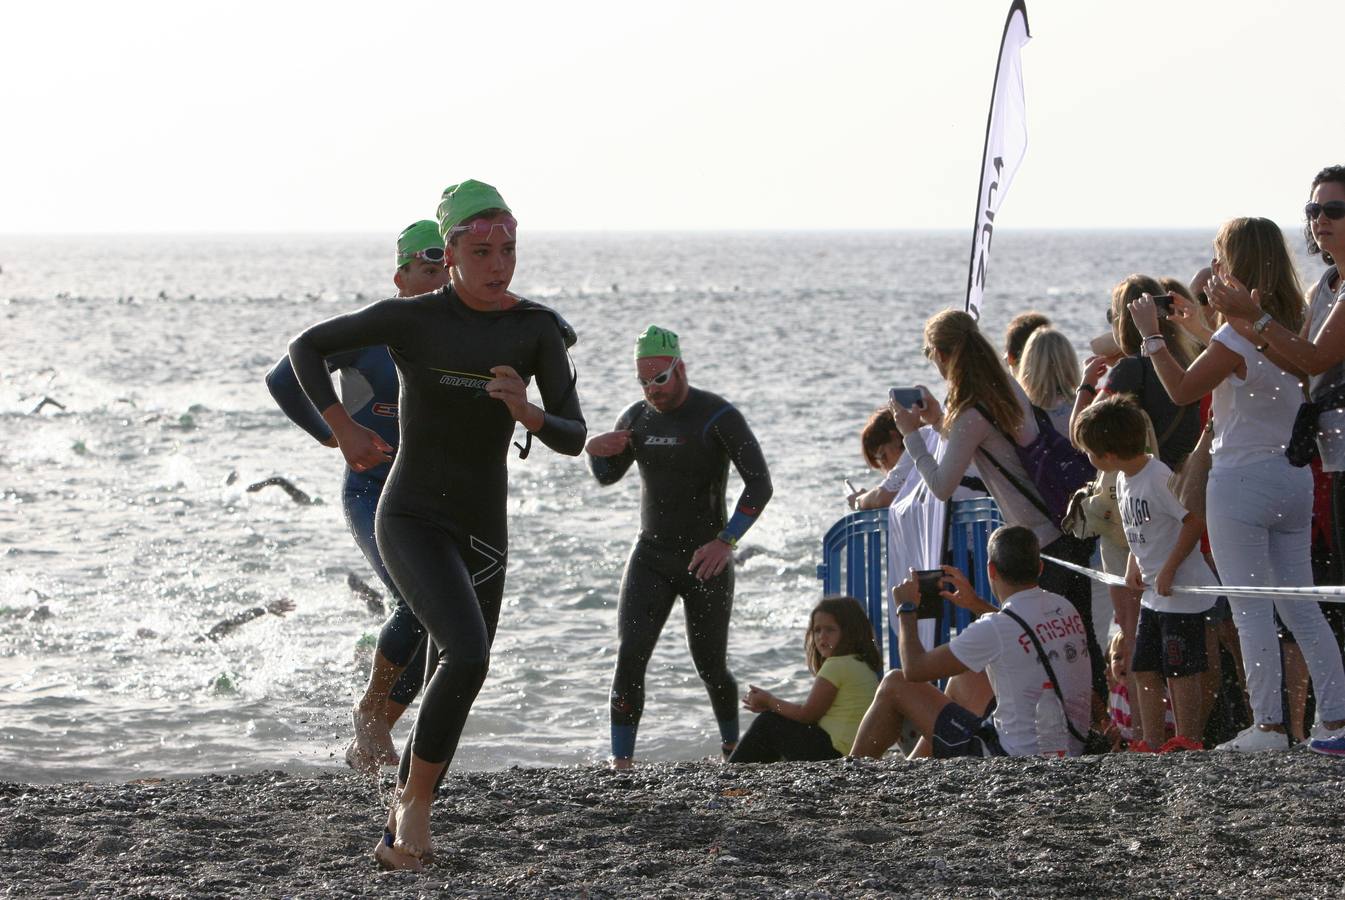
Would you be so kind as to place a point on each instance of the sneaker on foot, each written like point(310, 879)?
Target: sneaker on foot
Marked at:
point(1334, 746)
point(1140, 747)
point(1180, 743)
point(1256, 740)
point(1321, 733)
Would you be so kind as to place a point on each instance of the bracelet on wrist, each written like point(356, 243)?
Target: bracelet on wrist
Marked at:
point(907, 609)
point(1085, 388)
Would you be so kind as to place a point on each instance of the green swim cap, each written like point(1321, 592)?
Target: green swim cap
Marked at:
point(416, 237)
point(462, 201)
point(655, 341)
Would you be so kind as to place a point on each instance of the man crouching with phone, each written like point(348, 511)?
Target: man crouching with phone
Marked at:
point(997, 671)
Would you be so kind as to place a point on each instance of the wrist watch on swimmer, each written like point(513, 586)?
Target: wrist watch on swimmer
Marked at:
point(1261, 324)
point(1152, 344)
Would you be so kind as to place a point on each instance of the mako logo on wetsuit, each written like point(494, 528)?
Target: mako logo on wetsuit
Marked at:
point(469, 380)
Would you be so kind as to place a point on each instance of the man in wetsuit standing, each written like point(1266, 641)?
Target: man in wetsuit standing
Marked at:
point(682, 438)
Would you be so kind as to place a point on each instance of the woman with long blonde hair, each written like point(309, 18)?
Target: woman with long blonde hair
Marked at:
point(1259, 507)
point(1048, 370)
point(984, 409)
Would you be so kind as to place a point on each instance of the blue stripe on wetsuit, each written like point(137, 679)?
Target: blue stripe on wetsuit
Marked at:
point(368, 392)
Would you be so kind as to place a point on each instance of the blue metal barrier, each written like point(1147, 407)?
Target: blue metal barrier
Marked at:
point(854, 562)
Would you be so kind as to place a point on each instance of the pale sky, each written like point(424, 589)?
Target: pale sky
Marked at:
point(245, 116)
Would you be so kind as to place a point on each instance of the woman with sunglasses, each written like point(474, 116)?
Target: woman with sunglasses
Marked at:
point(1318, 348)
point(369, 394)
point(1259, 507)
point(465, 355)
point(984, 409)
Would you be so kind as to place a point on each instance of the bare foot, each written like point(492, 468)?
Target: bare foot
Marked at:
point(413, 828)
point(358, 760)
point(373, 738)
point(622, 763)
point(389, 857)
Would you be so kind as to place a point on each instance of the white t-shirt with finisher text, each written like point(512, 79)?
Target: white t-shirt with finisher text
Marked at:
point(997, 645)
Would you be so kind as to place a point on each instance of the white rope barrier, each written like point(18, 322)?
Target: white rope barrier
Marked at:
point(1329, 594)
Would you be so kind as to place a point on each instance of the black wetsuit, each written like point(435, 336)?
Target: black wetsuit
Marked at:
point(441, 520)
point(683, 457)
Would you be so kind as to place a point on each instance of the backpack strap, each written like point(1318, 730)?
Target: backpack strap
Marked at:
point(1050, 672)
point(1028, 493)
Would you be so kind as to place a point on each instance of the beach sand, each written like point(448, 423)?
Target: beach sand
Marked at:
point(1181, 824)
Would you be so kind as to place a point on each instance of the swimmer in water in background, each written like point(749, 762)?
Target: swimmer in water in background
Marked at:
point(369, 396)
point(465, 356)
point(683, 439)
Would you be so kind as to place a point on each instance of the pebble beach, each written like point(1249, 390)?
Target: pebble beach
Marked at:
point(1196, 824)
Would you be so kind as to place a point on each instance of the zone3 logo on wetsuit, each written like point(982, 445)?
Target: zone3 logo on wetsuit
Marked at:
point(684, 458)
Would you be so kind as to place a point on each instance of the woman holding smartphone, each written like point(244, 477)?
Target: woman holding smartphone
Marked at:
point(985, 407)
point(1259, 507)
point(1318, 347)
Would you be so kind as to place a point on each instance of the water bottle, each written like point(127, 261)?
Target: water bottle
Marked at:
point(1052, 731)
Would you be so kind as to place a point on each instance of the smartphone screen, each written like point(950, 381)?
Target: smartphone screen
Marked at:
point(930, 581)
point(907, 398)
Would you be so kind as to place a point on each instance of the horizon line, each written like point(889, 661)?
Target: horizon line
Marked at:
point(609, 231)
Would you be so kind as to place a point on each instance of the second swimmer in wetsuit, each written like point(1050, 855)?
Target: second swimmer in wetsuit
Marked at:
point(369, 394)
point(682, 439)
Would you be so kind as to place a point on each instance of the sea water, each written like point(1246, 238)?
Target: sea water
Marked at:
point(126, 530)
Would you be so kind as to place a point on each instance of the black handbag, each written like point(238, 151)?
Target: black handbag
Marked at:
point(1302, 447)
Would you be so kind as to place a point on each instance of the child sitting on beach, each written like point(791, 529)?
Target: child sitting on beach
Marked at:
point(840, 651)
point(1163, 536)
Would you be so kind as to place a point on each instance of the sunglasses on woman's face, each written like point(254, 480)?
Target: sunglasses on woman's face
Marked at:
point(1333, 209)
point(661, 378)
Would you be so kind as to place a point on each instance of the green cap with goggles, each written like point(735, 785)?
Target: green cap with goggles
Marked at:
point(462, 201)
point(655, 341)
point(415, 239)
